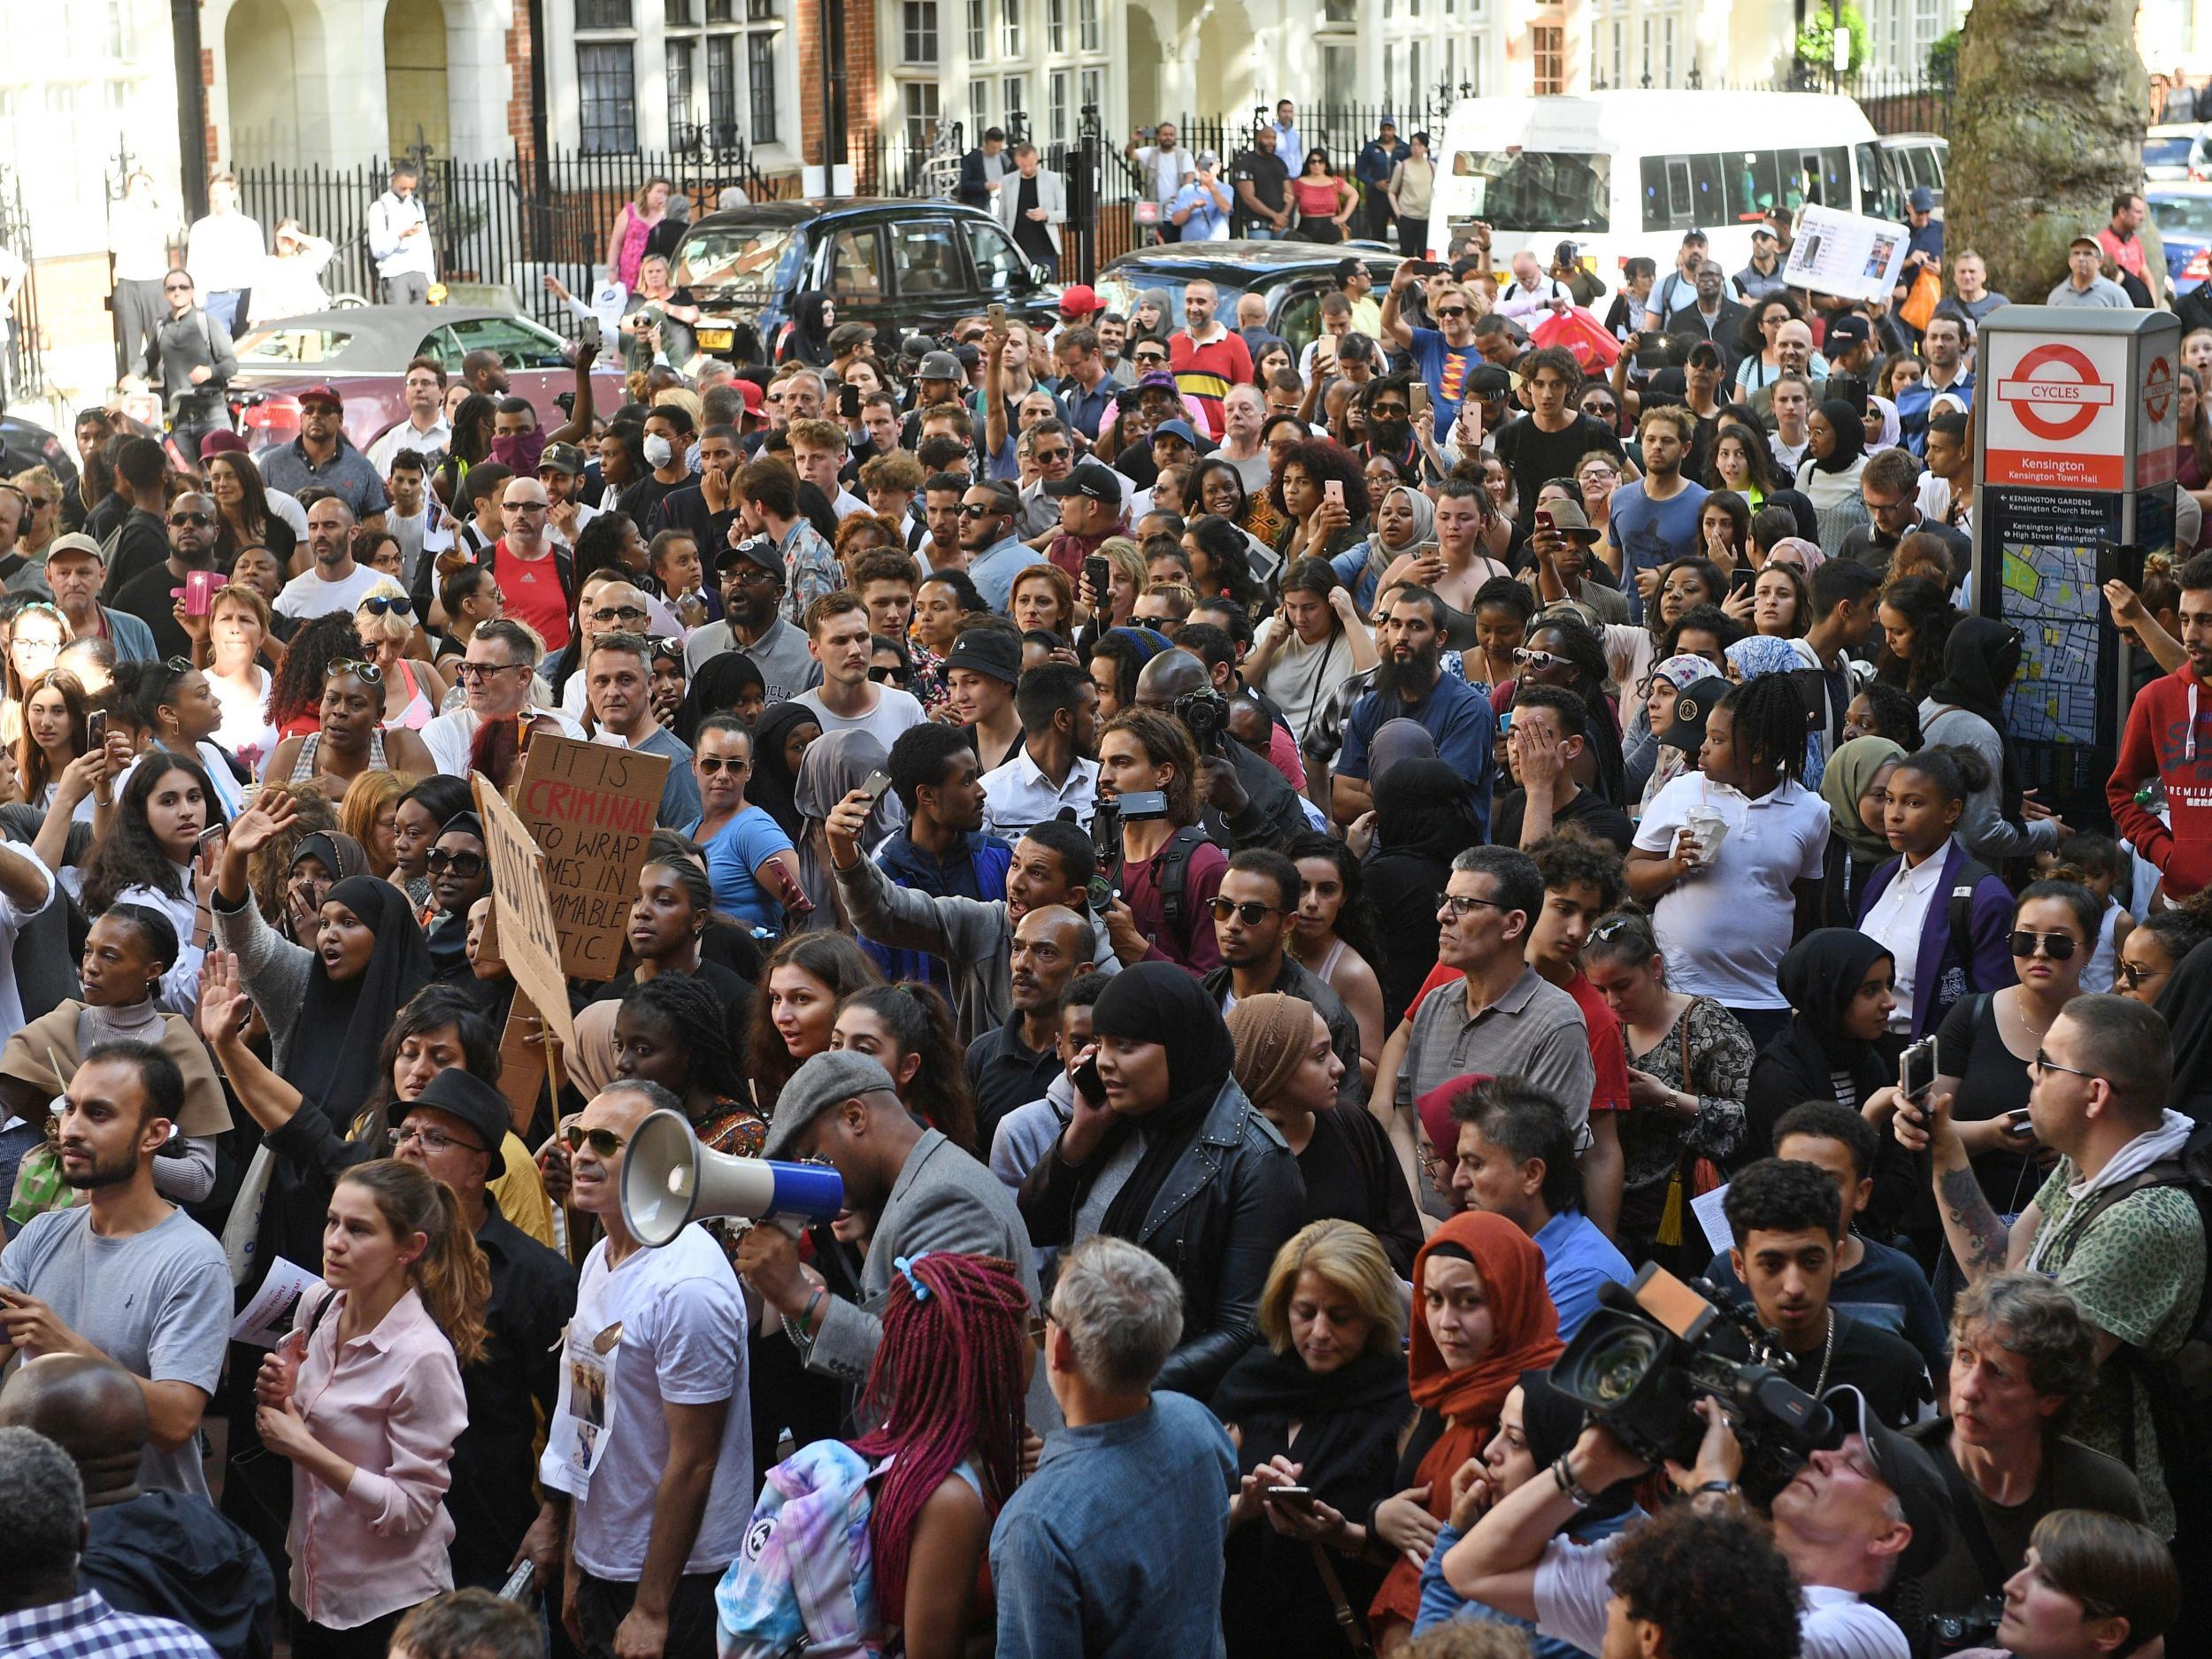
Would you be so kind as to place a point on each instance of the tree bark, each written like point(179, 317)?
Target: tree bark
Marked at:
point(2046, 128)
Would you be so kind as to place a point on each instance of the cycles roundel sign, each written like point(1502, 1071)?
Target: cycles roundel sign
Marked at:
point(2055, 392)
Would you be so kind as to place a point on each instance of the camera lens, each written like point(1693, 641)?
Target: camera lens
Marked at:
point(1616, 1369)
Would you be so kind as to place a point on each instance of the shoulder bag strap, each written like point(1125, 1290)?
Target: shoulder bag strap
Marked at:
point(1972, 1528)
point(1347, 1621)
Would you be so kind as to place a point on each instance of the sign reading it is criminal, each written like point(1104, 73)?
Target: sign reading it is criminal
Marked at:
point(591, 809)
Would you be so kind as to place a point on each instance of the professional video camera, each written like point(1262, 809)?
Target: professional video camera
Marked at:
point(1205, 715)
point(1641, 1362)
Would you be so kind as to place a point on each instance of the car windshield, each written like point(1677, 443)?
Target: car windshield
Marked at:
point(2167, 152)
point(1517, 189)
point(2187, 215)
point(289, 343)
point(750, 259)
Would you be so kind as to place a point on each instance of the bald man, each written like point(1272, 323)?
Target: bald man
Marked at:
point(171, 1555)
point(1016, 1063)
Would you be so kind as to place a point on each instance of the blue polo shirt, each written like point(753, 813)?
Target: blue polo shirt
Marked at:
point(1454, 713)
point(1578, 1259)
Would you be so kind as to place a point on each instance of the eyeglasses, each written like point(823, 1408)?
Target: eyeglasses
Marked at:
point(1523, 657)
point(202, 519)
point(2135, 974)
point(378, 604)
point(1251, 912)
point(2057, 947)
point(473, 674)
point(619, 613)
point(433, 1140)
point(711, 765)
point(1461, 906)
point(2044, 1063)
point(468, 866)
point(604, 1143)
point(367, 673)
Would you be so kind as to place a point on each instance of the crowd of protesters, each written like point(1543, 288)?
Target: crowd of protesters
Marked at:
point(1282, 876)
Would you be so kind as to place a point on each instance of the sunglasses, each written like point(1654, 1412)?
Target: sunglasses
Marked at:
point(367, 673)
point(604, 1143)
point(1046, 458)
point(711, 765)
point(2044, 1063)
point(1251, 912)
point(1451, 310)
point(202, 519)
point(1150, 359)
point(378, 604)
point(968, 509)
point(619, 613)
point(468, 866)
point(176, 287)
point(2057, 947)
point(888, 676)
point(1523, 657)
point(2135, 974)
point(177, 665)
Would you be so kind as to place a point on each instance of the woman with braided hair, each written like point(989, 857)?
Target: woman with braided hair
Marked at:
point(672, 1030)
point(946, 1390)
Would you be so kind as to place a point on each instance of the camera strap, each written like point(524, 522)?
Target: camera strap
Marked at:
point(1967, 1513)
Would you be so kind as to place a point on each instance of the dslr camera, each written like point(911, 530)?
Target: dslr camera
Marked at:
point(1640, 1363)
point(1205, 715)
point(1976, 1627)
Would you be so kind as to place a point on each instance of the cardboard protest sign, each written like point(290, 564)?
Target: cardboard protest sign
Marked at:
point(590, 808)
point(527, 940)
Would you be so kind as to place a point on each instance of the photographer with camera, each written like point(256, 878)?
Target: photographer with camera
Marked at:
point(1245, 801)
point(2021, 1358)
point(1785, 1220)
point(1868, 1508)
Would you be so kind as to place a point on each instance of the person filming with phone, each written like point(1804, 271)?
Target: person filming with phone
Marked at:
point(2105, 1225)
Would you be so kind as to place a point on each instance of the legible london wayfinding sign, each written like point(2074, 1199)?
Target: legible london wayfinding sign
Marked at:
point(2059, 412)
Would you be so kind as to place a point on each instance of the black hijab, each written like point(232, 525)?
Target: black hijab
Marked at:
point(1819, 975)
point(334, 1057)
point(1850, 435)
point(1980, 660)
point(715, 689)
point(448, 943)
point(1426, 809)
point(1155, 1002)
point(774, 788)
point(809, 340)
point(2186, 1002)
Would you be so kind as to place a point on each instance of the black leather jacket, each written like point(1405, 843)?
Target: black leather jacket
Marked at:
point(1228, 1205)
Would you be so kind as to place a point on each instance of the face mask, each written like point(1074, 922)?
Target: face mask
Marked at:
point(658, 450)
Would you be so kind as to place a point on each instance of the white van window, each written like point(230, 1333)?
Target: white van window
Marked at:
point(1517, 190)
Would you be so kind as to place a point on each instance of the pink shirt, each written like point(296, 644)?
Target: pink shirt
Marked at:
point(389, 1403)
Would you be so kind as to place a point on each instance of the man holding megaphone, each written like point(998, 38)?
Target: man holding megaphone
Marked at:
point(920, 1191)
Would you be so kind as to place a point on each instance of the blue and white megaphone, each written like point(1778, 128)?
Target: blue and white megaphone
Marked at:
point(668, 1179)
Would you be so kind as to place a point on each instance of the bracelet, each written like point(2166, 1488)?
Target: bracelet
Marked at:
point(1569, 1486)
point(1724, 1488)
point(806, 1314)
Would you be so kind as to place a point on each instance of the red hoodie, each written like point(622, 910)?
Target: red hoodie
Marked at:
point(2169, 737)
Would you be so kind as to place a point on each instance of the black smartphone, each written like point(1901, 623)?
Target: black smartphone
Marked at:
point(1138, 804)
point(1099, 575)
point(1088, 1083)
point(848, 402)
point(1740, 578)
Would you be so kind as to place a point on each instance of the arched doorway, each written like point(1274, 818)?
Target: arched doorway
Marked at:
point(1143, 59)
point(415, 94)
point(1227, 47)
point(260, 69)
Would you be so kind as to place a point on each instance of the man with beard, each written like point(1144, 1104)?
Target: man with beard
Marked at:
point(333, 583)
point(1715, 317)
point(1015, 1065)
point(150, 596)
point(1552, 438)
point(753, 622)
point(1410, 684)
point(1386, 405)
point(125, 1276)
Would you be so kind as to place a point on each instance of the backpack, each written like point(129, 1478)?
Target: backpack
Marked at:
point(2179, 1386)
point(1174, 859)
point(804, 1578)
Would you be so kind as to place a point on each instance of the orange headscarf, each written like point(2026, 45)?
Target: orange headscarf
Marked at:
point(1469, 1399)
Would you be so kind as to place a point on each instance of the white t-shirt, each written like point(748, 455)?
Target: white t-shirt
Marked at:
point(1574, 1584)
point(12, 919)
point(895, 711)
point(683, 1343)
point(1724, 930)
point(308, 595)
point(449, 737)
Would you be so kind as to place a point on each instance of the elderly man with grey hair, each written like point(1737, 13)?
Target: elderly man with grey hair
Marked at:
point(1130, 1502)
point(42, 1531)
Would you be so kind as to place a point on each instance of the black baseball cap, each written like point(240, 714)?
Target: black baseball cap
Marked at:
point(1691, 709)
point(1847, 329)
point(990, 651)
point(1089, 480)
point(757, 549)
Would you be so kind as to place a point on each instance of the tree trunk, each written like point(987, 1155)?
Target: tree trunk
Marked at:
point(2046, 128)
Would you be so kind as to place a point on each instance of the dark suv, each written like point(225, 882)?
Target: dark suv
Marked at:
point(897, 264)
